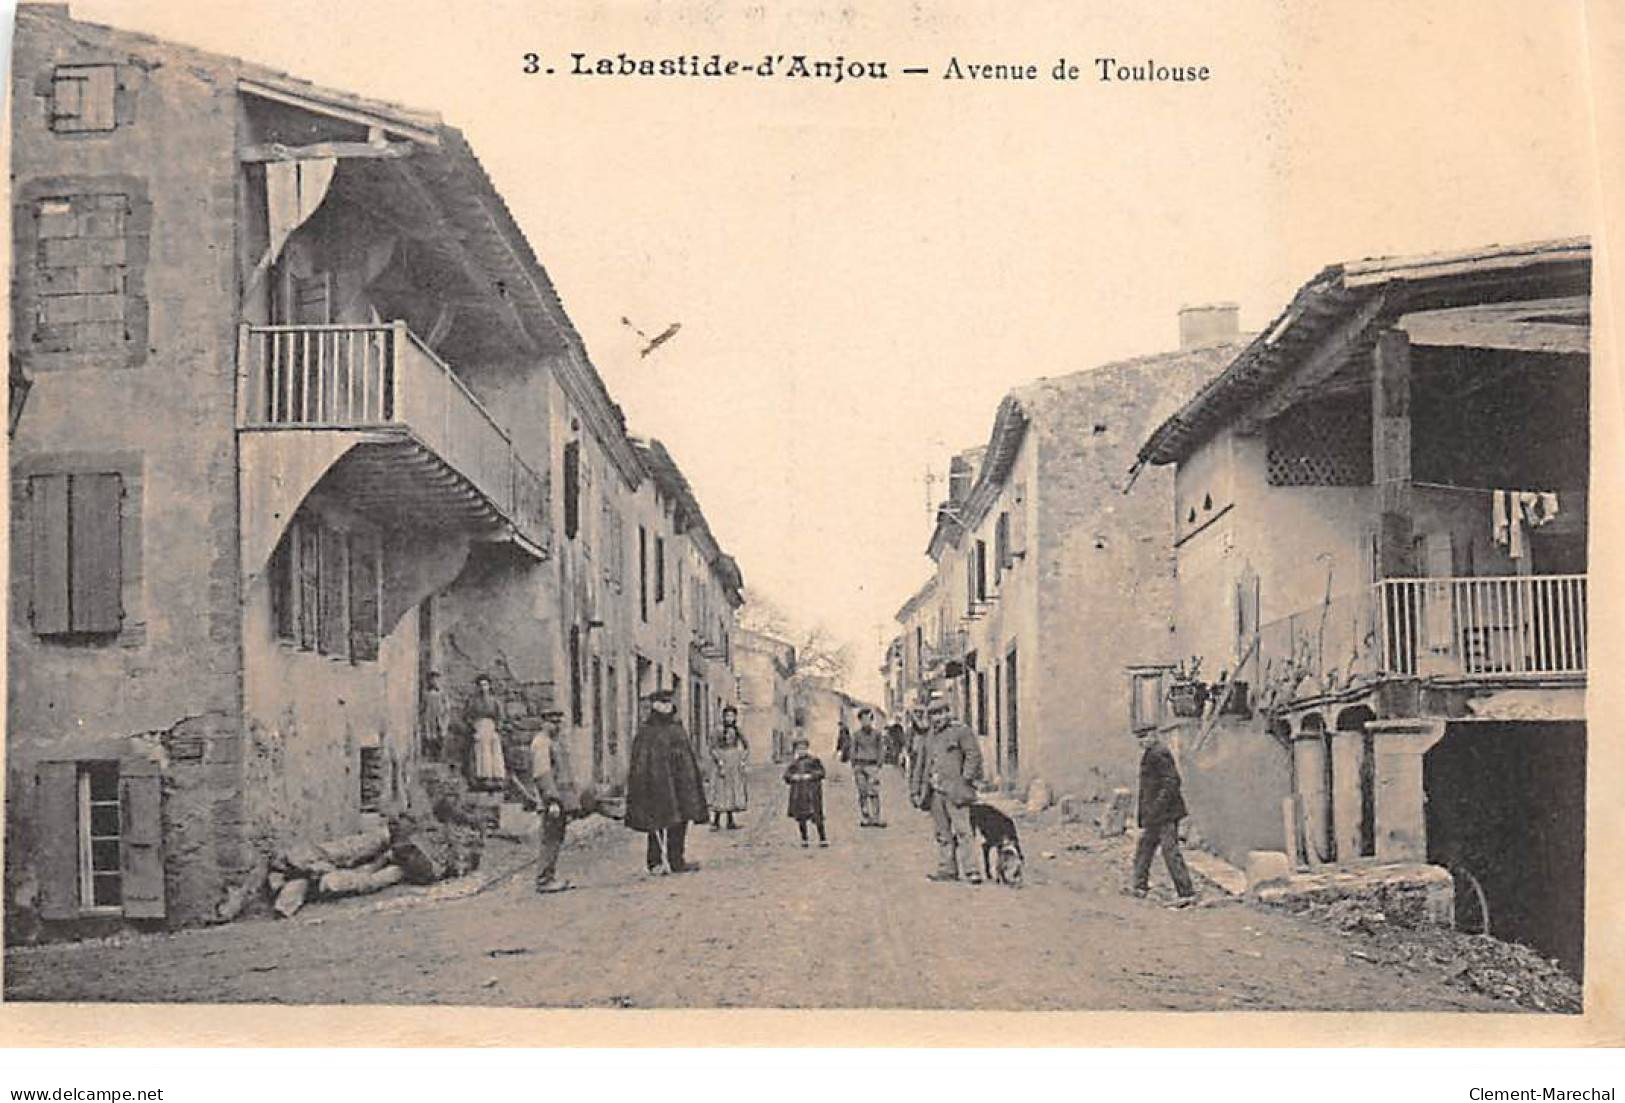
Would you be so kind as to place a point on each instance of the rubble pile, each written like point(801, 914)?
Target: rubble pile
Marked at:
point(1478, 963)
point(429, 850)
point(344, 866)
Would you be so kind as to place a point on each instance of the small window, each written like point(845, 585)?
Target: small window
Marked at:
point(82, 98)
point(660, 569)
point(1146, 700)
point(101, 874)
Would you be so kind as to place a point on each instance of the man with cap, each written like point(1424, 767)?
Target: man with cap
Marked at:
point(558, 797)
point(867, 752)
point(943, 781)
point(664, 788)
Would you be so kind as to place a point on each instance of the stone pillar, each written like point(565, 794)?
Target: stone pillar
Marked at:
point(1346, 793)
point(1401, 800)
point(1309, 768)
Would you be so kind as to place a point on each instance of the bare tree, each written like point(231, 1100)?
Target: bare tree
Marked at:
point(818, 651)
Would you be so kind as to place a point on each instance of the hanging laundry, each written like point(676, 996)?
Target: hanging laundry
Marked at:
point(1540, 508)
point(1498, 516)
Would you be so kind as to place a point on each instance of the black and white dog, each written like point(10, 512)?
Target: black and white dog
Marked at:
point(1001, 846)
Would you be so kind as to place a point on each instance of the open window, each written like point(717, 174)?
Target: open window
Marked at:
point(100, 824)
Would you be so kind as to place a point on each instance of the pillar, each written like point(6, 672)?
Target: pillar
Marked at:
point(1391, 452)
point(1401, 801)
point(1346, 746)
point(1309, 770)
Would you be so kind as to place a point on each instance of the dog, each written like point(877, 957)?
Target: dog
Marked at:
point(1001, 846)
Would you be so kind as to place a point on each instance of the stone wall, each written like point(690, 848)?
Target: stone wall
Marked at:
point(143, 387)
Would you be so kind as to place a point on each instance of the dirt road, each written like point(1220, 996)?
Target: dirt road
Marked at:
point(765, 923)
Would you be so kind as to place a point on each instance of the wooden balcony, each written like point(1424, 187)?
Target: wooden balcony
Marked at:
point(1517, 625)
point(428, 451)
point(1510, 629)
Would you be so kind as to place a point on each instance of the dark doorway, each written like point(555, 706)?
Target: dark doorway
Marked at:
point(1506, 812)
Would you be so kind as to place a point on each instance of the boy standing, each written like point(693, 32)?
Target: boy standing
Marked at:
point(805, 776)
point(550, 770)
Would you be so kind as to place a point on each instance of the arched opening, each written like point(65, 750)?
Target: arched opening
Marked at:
point(1312, 774)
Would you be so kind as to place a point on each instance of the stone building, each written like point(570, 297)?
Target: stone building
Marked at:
point(1047, 574)
point(767, 712)
point(1380, 524)
point(302, 419)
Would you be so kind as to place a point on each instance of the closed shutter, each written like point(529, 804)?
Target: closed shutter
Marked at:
point(48, 522)
point(100, 86)
point(57, 818)
point(1018, 520)
point(282, 588)
point(364, 626)
point(94, 566)
point(141, 827)
point(572, 489)
point(309, 589)
point(330, 637)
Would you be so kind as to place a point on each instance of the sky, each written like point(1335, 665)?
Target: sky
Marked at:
point(862, 270)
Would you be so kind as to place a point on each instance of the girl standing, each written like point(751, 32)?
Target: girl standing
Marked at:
point(805, 776)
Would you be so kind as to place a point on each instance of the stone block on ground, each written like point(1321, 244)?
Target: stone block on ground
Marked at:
point(1114, 820)
point(1039, 796)
point(1267, 867)
point(291, 898)
point(1074, 809)
point(1405, 895)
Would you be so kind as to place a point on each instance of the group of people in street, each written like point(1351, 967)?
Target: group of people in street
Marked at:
point(667, 789)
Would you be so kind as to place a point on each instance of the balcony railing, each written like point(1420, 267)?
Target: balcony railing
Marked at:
point(1519, 626)
point(1531, 624)
point(383, 376)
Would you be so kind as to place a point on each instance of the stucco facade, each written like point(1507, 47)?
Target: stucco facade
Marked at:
point(1049, 578)
point(1380, 527)
point(287, 449)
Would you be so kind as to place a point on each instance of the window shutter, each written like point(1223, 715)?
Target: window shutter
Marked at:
point(309, 545)
point(57, 812)
point(282, 588)
point(572, 489)
point(94, 566)
point(364, 626)
point(141, 832)
point(330, 638)
point(1018, 520)
point(48, 517)
point(98, 97)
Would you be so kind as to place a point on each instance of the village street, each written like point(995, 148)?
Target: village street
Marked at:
point(765, 923)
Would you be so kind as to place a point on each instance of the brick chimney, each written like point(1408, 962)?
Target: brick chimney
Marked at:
point(1208, 324)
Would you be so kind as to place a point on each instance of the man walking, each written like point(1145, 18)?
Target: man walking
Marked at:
point(867, 752)
point(1162, 806)
point(943, 781)
point(664, 789)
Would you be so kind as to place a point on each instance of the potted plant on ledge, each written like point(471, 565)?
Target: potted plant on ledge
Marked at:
point(1187, 693)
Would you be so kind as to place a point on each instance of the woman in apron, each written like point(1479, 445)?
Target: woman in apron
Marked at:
point(487, 770)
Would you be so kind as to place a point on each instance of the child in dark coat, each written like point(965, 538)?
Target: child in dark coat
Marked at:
point(805, 776)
